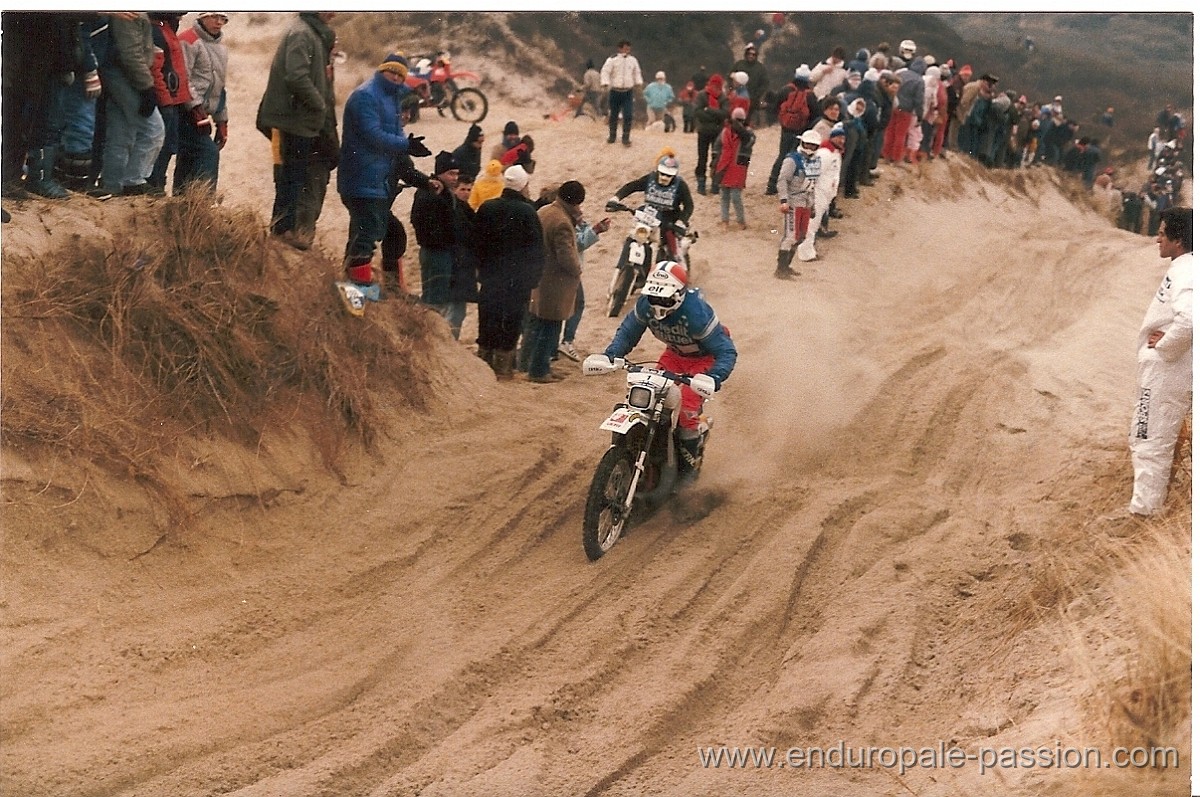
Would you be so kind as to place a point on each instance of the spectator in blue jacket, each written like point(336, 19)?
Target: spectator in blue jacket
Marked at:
point(375, 157)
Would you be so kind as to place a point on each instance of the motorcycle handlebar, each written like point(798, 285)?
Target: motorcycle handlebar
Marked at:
point(599, 363)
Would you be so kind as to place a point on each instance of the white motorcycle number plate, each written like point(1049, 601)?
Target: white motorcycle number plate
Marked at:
point(621, 421)
point(646, 216)
point(637, 254)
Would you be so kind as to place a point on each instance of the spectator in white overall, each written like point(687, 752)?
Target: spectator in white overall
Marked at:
point(1164, 378)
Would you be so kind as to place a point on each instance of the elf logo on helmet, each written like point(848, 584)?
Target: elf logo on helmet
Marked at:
point(668, 167)
point(665, 288)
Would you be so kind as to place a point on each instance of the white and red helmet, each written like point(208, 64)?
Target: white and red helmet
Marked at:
point(665, 288)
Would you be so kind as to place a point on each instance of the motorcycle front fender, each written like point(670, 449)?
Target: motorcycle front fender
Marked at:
point(622, 420)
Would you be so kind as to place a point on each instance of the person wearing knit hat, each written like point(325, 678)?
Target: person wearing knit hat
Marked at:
point(738, 94)
point(553, 300)
point(510, 138)
point(396, 64)
point(444, 163)
point(509, 243)
point(572, 192)
point(516, 178)
point(488, 185)
point(469, 154)
point(758, 82)
point(374, 146)
point(435, 220)
point(658, 95)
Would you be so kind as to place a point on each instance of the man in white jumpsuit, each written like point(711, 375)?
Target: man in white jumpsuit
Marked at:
point(1164, 375)
point(830, 156)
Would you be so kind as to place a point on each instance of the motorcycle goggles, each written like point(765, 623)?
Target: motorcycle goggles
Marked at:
point(663, 301)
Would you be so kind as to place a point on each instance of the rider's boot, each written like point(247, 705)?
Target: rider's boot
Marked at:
point(689, 462)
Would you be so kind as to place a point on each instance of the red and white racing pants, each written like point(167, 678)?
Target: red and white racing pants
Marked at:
point(692, 403)
point(795, 227)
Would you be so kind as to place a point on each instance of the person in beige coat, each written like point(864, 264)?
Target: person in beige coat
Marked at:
point(553, 300)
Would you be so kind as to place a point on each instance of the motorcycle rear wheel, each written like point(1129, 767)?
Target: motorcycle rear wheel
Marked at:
point(605, 515)
point(469, 105)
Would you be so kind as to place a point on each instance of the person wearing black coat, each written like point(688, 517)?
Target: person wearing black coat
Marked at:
point(468, 155)
point(506, 237)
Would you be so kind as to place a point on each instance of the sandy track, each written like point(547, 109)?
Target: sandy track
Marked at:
point(888, 458)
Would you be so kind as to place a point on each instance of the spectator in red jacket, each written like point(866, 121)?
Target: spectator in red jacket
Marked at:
point(733, 164)
point(171, 88)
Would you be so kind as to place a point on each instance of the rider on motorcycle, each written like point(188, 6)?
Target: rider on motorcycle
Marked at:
point(666, 192)
point(697, 343)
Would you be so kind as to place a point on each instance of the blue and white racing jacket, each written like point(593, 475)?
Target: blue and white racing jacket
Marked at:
point(693, 330)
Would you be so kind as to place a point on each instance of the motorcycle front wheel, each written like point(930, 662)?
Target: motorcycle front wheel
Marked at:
point(469, 105)
point(618, 291)
point(605, 514)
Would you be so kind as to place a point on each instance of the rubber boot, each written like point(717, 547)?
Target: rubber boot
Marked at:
point(72, 170)
point(783, 270)
point(502, 364)
point(40, 179)
point(701, 184)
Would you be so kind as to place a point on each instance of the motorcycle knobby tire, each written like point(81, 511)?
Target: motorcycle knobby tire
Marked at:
point(469, 105)
point(605, 507)
point(622, 282)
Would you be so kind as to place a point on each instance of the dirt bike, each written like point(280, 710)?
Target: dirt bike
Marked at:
point(435, 85)
point(640, 470)
point(637, 252)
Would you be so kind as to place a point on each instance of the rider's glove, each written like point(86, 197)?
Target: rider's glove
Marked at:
point(716, 383)
point(417, 148)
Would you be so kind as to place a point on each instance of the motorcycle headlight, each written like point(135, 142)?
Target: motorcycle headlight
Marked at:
point(641, 397)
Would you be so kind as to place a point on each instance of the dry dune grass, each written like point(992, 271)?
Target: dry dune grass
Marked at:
point(189, 321)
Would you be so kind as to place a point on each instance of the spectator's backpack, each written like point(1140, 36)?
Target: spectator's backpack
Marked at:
point(793, 112)
point(745, 148)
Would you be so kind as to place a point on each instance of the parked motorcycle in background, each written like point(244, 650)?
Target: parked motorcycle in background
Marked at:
point(640, 470)
point(636, 257)
point(436, 85)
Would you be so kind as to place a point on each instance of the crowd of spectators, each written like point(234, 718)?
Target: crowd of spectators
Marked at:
point(901, 108)
point(101, 103)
